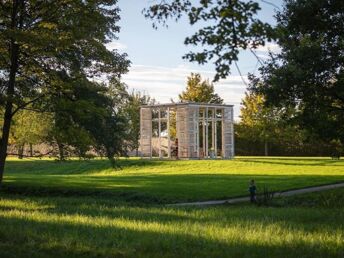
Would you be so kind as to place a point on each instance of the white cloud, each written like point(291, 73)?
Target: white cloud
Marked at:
point(164, 83)
point(116, 45)
point(269, 47)
point(263, 56)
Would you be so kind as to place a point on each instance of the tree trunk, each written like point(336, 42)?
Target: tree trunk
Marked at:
point(14, 53)
point(61, 152)
point(5, 135)
point(31, 150)
point(21, 151)
point(266, 148)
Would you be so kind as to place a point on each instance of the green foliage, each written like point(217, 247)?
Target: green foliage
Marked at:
point(91, 117)
point(266, 125)
point(47, 46)
point(266, 197)
point(308, 73)
point(132, 110)
point(111, 131)
point(74, 111)
point(30, 127)
point(226, 27)
point(201, 91)
point(55, 41)
point(198, 90)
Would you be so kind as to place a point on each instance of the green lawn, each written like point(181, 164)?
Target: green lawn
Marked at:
point(95, 227)
point(171, 181)
point(87, 209)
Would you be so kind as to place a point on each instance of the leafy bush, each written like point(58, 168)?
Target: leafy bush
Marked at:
point(266, 198)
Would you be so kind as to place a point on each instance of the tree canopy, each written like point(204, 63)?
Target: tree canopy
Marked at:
point(308, 74)
point(267, 125)
point(226, 27)
point(46, 46)
point(198, 90)
point(29, 128)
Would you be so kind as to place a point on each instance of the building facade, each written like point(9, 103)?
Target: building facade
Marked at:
point(187, 131)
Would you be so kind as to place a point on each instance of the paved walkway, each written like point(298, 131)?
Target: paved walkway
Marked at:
point(276, 194)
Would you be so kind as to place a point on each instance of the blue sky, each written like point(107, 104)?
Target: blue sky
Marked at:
point(157, 66)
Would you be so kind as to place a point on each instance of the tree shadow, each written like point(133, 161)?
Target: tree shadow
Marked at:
point(88, 229)
point(166, 188)
point(76, 166)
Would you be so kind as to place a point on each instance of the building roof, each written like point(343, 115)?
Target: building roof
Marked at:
point(193, 104)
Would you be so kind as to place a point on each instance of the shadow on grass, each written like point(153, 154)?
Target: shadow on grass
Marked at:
point(78, 228)
point(157, 188)
point(81, 167)
point(74, 177)
point(68, 167)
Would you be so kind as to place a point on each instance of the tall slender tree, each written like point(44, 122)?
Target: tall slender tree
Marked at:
point(261, 123)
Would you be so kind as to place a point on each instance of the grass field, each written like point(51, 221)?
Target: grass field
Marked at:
point(87, 209)
point(171, 181)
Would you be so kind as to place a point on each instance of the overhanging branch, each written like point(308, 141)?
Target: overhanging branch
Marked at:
point(26, 104)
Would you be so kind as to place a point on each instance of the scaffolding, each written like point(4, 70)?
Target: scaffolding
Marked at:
point(187, 131)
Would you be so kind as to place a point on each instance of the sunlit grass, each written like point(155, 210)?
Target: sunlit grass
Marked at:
point(71, 227)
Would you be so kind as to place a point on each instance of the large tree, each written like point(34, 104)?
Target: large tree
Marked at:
point(46, 44)
point(267, 125)
point(308, 74)
point(199, 90)
point(73, 113)
point(91, 117)
point(260, 122)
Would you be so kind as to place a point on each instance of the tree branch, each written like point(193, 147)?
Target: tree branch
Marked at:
point(254, 53)
point(26, 104)
point(242, 77)
point(270, 3)
point(35, 156)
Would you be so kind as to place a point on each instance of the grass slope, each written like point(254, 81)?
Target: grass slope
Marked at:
point(170, 181)
point(87, 209)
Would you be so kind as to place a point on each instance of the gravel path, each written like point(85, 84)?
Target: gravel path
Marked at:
point(277, 194)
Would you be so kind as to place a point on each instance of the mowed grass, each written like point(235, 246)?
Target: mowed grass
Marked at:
point(97, 227)
point(88, 209)
point(170, 181)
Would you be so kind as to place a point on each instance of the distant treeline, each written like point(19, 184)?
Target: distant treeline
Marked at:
point(247, 147)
